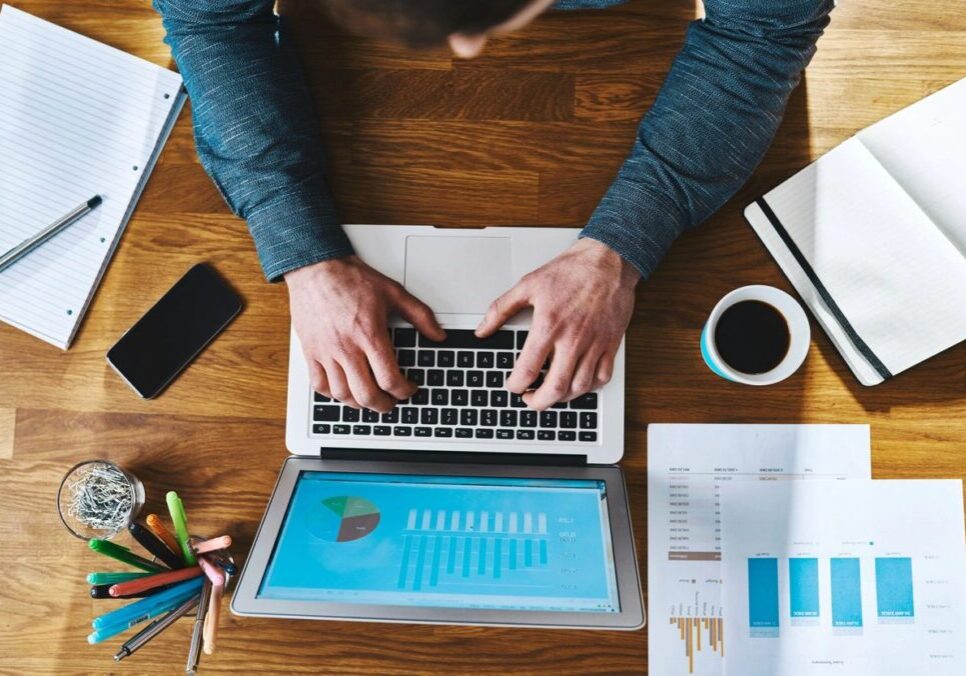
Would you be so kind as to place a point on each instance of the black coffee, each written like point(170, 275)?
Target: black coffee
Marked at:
point(752, 337)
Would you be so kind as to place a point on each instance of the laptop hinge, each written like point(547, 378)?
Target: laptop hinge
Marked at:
point(463, 457)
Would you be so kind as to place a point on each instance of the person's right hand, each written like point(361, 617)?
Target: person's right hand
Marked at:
point(340, 309)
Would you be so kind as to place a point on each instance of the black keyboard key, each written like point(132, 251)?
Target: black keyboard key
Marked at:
point(440, 398)
point(494, 379)
point(516, 401)
point(340, 429)
point(548, 419)
point(442, 432)
point(588, 436)
point(525, 434)
point(410, 415)
point(460, 397)
point(350, 414)
point(564, 435)
point(434, 378)
point(546, 435)
point(488, 418)
point(484, 434)
point(465, 338)
point(504, 434)
point(568, 420)
point(508, 418)
point(463, 433)
point(445, 358)
point(391, 417)
point(454, 378)
point(421, 398)
point(321, 429)
point(361, 430)
point(319, 398)
point(424, 431)
point(588, 421)
point(484, 360)
point(404, 338)
point(429, 416)
point(504, 360)
point(382, 430)
point(406, 358)
point(521, 339)
point(402, 431)
point(468, 417)
point(528, 418)
point(499, 398)
point(479, 398)
point(449, 416)
point(326, 413)
point(464, 359)
point(369, 416)
point(418, 376)
point(585, 401)
point(474, 378)
point(426, 358)
point(559, 405)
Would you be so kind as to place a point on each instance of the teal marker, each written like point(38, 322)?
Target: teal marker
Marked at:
point(113, 578)
point(176, 509)
point(130, 612)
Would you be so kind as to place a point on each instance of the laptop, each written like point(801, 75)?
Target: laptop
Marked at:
point(494, 519)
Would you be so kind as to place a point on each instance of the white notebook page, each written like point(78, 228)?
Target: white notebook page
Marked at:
point(77, 119)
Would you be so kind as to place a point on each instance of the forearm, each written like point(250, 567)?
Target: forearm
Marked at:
point(255, 128)
point(711, 124)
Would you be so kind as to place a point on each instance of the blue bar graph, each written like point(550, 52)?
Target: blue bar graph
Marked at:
point(437, 553)
point(497, 558)
point(803, 587)
point(846, 582)
point(893, 589)
point(763, 597)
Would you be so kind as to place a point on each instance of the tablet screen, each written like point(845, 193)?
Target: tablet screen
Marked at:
point(445, 541)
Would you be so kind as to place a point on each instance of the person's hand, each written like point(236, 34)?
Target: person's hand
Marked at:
point(582, 302)
point(340, 309)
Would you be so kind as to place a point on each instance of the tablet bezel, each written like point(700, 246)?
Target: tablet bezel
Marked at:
point(245, 600)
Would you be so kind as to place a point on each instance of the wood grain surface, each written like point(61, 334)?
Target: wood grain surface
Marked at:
point(530, 133)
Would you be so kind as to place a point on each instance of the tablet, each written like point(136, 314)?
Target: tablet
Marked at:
point(445, 544)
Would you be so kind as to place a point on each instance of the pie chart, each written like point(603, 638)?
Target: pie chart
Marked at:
point(342, 518)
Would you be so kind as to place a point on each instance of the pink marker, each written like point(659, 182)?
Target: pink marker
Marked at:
point(212, 545)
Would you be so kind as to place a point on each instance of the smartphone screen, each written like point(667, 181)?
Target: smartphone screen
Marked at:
point(173, 332)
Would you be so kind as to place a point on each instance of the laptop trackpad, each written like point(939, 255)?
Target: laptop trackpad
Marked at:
point(458, 274)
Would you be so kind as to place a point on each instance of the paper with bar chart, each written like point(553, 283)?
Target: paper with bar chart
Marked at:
point(686, 467)
point(859, 577)
point(473, 542)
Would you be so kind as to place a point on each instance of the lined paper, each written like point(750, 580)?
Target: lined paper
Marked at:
point(77, 118)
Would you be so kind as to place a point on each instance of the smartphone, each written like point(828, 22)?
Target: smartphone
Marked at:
point(175, 331)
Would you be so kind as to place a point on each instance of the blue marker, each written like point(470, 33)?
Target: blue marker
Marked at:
point(133, 610)
point(114, 629)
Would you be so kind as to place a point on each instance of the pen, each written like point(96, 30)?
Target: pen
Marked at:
point(146, 583)
point(137, 609)
point(124, 555)
point(113, 578)
point(155, 628)
point(103, 591)
point(154, 545)
point(214, 544)
point(31, 243)
point(114, 628)
point(222, 561)
point(176, 508)
point(156, 526)
point(194, 652)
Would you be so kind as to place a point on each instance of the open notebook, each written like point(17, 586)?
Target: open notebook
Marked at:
point(873, 237)
point(77, 119)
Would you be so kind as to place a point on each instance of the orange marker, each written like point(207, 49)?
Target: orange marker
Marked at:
point(151, 581)
point(155, 525)
point(212, 545)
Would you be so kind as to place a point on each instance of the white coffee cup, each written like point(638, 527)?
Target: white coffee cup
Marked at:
point(798, 330)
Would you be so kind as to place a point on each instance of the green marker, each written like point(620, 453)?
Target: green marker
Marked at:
point(124, 555)
point(176, 509)
point(113, 578)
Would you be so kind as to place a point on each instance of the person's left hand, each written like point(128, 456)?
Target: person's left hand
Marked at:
point(582, 302)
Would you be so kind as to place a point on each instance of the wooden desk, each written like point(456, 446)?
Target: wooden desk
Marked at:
point(531, 133)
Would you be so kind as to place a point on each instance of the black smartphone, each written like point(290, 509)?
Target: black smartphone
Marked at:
point(173, 332)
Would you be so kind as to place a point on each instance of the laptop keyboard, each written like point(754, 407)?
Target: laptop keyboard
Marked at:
point(461, 396)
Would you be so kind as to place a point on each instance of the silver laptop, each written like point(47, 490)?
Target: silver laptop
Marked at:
point(462, 402)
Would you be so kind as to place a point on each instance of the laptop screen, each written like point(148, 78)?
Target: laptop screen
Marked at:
point(445, 541)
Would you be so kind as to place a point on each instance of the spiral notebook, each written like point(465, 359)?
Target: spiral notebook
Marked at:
point(77, 118)
point(873, 237)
